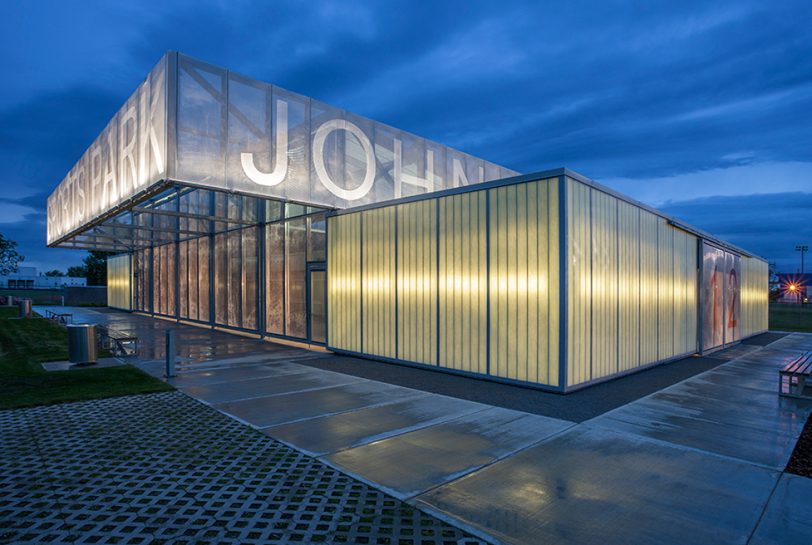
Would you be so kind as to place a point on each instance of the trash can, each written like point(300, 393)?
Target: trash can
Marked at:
point(25, 307)
point(82, 343)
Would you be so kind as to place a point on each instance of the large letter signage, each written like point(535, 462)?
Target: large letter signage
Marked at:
point(127, 157)
point(318, 159)
point(191, 122)
point(277, 176)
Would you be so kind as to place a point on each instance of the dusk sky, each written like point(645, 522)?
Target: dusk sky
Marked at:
point(702, 109)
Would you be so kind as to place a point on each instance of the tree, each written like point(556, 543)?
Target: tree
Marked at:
point(9, 257)
point(77, 271)
point(96, 267)
point(54, 272)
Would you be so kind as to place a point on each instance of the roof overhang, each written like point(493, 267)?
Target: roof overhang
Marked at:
point(193, 124)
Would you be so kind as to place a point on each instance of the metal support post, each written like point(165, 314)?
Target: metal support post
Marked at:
point(170, 353)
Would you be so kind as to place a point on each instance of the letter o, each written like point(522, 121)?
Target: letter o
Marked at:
point(318, 159)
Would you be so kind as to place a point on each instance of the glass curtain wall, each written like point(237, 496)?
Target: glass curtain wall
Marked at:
point(218, 267)
point(164, 280)
point(290, 244)
point(193, 283)
point(141, 281)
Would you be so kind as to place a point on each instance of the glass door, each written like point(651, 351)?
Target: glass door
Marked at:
point(316, 303)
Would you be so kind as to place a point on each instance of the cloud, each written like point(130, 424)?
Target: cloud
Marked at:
point(13, 213)
point(758, 178)
point(767, 225)
point(665, 100)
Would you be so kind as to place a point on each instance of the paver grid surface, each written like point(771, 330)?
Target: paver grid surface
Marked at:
point(163, 468)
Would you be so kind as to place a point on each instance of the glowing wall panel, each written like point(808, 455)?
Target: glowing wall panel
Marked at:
point(649, 279)
point(631, 279)
point(754, 296)
point(579, 283)
point(344, 282)
point(629, 286)
point(119, 282)
point(604, 279)
point(524, 282)
point(417, 282)
point(467, 282)
point(378, 281)
point(462, 234)
point(665, 290)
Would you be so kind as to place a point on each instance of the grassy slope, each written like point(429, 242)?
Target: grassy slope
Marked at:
point(25, 344)
point(791, 318)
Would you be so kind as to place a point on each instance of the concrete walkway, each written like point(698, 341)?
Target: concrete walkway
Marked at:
point(697, 462)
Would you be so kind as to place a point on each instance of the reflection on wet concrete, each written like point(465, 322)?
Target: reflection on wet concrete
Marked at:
point(590, 486)
point(270, 410)
point(194, 345)
point(341, 431)
point(408, 464)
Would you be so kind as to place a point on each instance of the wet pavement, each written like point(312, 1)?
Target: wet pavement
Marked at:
point(699, 461)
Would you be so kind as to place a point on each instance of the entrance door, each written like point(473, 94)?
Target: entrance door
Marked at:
point(316, 303)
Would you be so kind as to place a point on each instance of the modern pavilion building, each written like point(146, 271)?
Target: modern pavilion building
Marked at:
point(235, 204)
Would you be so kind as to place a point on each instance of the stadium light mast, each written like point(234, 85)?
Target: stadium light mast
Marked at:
point(803, 248)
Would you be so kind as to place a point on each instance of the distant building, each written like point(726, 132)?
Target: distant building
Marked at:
point(28, 278)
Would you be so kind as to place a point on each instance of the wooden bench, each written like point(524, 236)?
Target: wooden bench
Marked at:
point(792, 378)
point(117, 342)
point(63, 318)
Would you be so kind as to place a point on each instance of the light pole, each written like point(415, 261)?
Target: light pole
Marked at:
point(803, 248)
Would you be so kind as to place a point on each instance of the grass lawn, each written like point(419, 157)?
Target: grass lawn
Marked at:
point(25, 344)
point(791, 318)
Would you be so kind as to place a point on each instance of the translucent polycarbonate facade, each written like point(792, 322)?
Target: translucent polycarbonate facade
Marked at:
point(466, 282)
point(754, 301)
point(417, 282)
point(119, 286)
point(127, 158)
point(344, 282)
point(500, 281)
point(523, 282)
point(632, 286)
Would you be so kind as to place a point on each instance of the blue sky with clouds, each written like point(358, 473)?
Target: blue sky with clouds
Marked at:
point(703, 109)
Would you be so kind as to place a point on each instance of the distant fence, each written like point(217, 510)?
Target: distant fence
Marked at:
point(74, 296)
point(95, 296)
